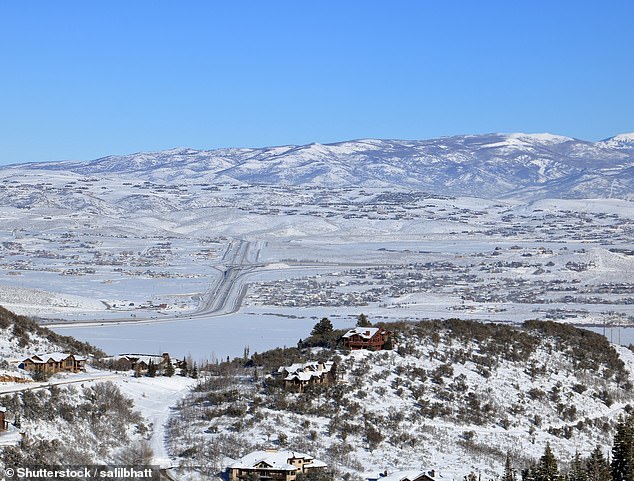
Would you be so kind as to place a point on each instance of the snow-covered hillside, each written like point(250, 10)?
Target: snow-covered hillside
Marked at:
point(489, 166)
point(454, 396)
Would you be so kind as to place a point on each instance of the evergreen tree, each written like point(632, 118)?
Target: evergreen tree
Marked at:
point(509, 472)
point(530, 473)
point(362, 321)
point(322, 328)
point(184, 370)
point(597, 467)
point(577, 469)
point(194, 372)
point(547, 469)
point(623, 451)
point(169, 369)
point(151, 369)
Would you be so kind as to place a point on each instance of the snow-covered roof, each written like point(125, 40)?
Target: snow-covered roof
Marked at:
point(54, 356)
point(302, 376)
point(3, 409)
point(276, 460)
point(405, 475)
point(307, 370)
point(146, 358)
point(364, 332)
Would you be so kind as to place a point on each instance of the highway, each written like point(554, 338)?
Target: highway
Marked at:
point(224, 296)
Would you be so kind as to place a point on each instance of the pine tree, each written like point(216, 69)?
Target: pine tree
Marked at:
point(623, 451)
point(322, 328)
point(194, 372)
point(184, 371)
point(530, 473)
point(509, 472)
point(362, 321)
point(151, 369)
point(577, 469)
point(169, 369)
point(547, 469)
point(597, 467)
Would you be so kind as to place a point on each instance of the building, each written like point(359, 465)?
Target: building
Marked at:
point(409, 475)
point(4, 425)
point(272, 465)
point(373, 338)
point(141, 362)
point(53, 362)
point(313, 372)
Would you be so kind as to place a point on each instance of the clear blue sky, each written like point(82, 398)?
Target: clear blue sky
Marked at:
point(83, 79)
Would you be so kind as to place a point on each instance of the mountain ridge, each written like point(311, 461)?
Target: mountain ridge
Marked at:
point(487, 165)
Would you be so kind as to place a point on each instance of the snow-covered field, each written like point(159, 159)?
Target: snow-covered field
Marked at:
point(216, 269)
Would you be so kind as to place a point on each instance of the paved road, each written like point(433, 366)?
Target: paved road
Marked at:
point(224, 296)
point(78, 378)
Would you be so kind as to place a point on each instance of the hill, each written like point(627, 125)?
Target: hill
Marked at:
point(454, 396)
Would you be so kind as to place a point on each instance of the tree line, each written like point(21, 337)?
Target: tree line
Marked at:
point(619, 466)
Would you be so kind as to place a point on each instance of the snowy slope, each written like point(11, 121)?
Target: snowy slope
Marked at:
point(454, 397)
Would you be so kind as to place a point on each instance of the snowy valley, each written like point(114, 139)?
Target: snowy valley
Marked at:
point(216, 255)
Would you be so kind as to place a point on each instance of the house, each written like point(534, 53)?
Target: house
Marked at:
point(372, 338)
point(312, 372)
point(272, 465)
point(53, 362)
point(408, 475)
point(4, 425)
point(141, 362)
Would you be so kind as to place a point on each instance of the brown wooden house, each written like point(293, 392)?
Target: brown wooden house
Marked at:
point(298, 376)
point(141, 362)
point(273, 465)
point(373, 338)
point(53, 362)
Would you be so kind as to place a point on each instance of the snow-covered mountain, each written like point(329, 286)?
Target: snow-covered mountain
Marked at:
point(490, 166)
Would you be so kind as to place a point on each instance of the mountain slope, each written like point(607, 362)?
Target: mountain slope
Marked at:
point(490, 166)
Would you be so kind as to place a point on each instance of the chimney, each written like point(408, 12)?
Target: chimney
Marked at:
point(432, 473)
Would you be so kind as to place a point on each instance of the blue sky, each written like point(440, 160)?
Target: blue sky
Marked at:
point(80, 80)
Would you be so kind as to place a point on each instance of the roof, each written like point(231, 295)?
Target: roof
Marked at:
point(304, 372)
point(364, 332)
point(276, 460)
point(405, 475)
point(54, 356)
point(146, 358)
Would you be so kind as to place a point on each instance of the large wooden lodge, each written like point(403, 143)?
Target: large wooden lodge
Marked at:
point(54, 362)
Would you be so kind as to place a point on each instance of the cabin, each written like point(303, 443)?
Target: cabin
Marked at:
point(298, 376)
point(408, 475)
point(372, 338)
point(4, 425)
point(273, 465)
point(53, 362)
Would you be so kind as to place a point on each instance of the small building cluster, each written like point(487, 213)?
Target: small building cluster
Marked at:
point(313, 372)
point(51, 363)
point(273, 465)
point(141, 362)
point(373, 338)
